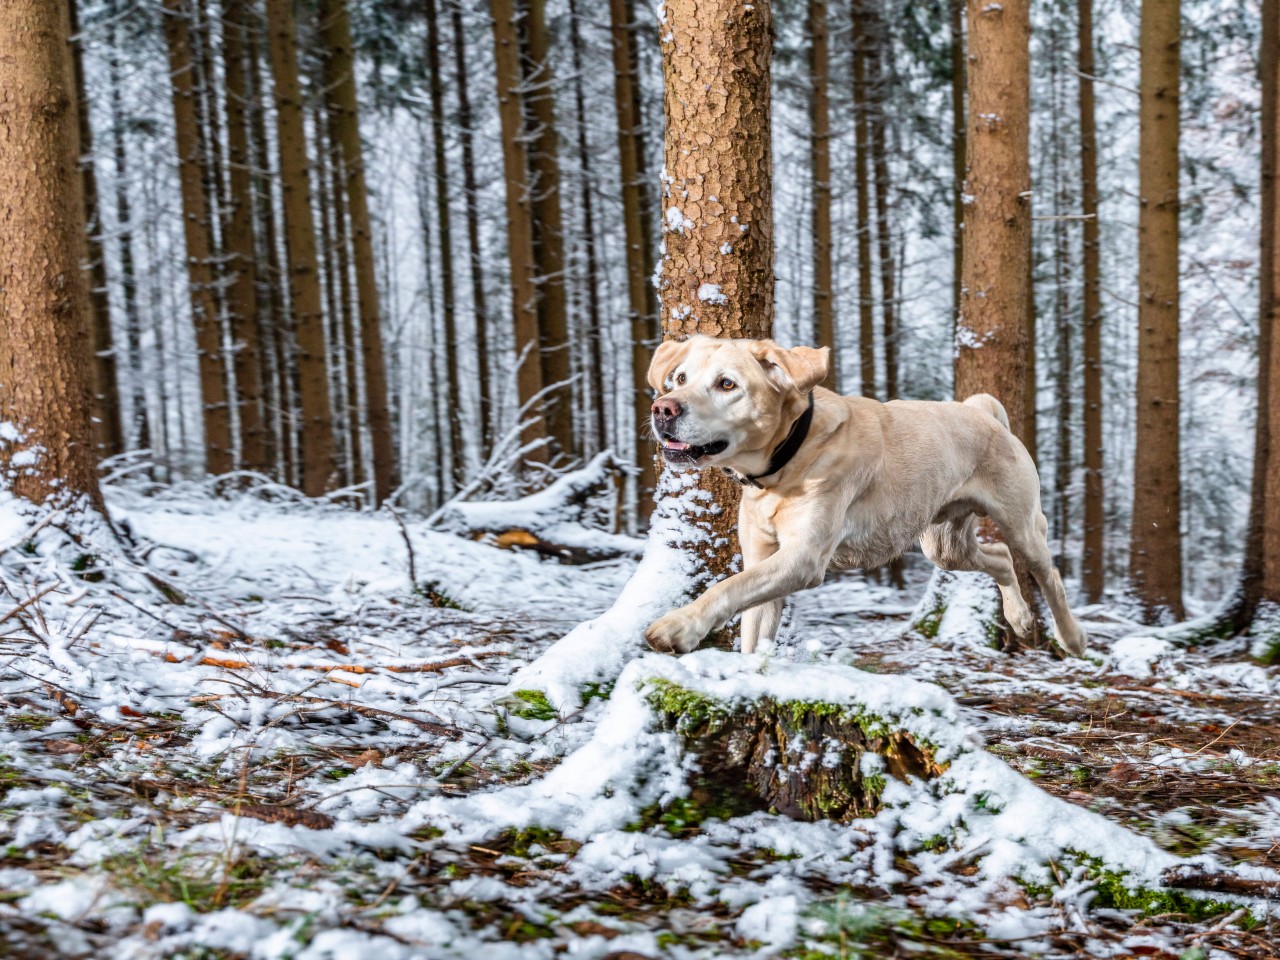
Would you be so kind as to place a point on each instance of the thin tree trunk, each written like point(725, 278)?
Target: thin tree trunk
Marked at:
point(107, 423)
point(600, 390)
point(862, 188)
point(548, 226)
point(242, 294)
point(138, 432)
point(1155, 552)
point(1263, 558)
point(1093, 561)
point(877, 101)
point(45, 393)
point(959, 150)
point(718, 195)
point(327, 184)
point(344, 121)
point(635, 220)
point(197, 227)
point(444, 232)
point(524, 267)
point(476, 263)
point(820, 159)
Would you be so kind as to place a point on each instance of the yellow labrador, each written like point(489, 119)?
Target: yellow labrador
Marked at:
point(832, 481)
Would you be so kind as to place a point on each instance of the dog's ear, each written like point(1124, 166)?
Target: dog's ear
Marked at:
point(666, 358)
point(800, 367)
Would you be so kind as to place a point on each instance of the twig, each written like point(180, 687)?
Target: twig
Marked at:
point(408, 543)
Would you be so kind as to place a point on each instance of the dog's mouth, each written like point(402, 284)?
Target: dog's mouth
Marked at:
point(677, 451)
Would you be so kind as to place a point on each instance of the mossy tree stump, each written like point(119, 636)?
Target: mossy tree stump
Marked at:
point(805, 760)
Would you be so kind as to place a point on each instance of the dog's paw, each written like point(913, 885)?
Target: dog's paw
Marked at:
point(677, 632)
point(1073, 642)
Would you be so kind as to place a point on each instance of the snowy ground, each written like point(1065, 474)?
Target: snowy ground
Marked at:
point(349, 718)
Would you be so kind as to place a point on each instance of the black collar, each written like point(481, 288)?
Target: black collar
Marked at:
point(785, 450)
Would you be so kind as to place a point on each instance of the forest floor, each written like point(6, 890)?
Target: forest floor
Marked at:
point(245, 774)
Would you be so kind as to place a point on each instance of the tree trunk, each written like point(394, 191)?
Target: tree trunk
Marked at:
point(242, 293)
point(524, 267)
point(1266, 520)
point(548, 226)
point(717, 265)
point(959, 151)
point(316, 433)
point(862, 188)
point(1062, 311)
point(473, 231)
point(877, 104)
point(1093, 561)
point(107, 424)
point(344, 122)
point(435, 78)
point(45, 363)
point(600, 390)
point(198, 229)
point(1155, 552)
point(992, 327)
point(635, 222)
point(820, 159)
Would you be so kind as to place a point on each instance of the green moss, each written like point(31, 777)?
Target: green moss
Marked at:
point(857, 931)
point(688, 709)
point(520, 843)
point(434, 595)
point(930, 623)
point(536, 706)
point(596, 691)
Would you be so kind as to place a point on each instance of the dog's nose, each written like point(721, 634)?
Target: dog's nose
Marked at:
point(664, 408)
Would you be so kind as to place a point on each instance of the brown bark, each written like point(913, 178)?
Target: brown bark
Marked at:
point(599, 391)
point(959, 150)
point(457, 465)
point(862, 189)
point(198, 231)
point(1155, 550)
point(473, 230)
point(880, 54)
point(641, 300)
point(820, 159)
point(1061, 316)
point(45, 362)
point(1266, 474)
point(548, 226)
point(316, 429)
point(717, 268)
point(524, 268)
point(1093, 561)
point(107, 424)
point(344, 122)
point(241, 244)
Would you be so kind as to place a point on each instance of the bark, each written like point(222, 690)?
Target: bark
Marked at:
point(241, 244)
point(520, 251)
point(717, 268)
point(476, 263)
point(107, 423)
point(1061, 314)
point(198, 232)
point(548, 226)
point(435, 79)
point(641, 301)
point(820, 159)
point(600, 392)
point(959, 150)
point(344, 122)
point(880, 54)
point(1266, 474)
point(862, 188)
point(1155, 551)
point(45, 362)
point(316, 429)
point(1093, 561)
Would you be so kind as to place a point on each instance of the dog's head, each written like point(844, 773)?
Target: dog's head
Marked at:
point(724, 402)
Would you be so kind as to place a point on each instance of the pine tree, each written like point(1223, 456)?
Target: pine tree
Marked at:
point(862, 189)
point(1155, 544)
point(959, 148)
point(717, 266)
point(820, 159)
point(46, 438)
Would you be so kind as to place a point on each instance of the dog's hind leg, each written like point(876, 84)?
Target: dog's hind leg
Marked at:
point(1030, 542)
point(954, 545)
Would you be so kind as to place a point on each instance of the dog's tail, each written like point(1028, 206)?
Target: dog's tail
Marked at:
point(989, 405)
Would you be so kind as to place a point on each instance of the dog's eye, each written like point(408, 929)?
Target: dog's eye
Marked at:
point(726, 385)
point(680, 379)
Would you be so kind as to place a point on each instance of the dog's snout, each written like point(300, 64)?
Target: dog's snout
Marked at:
point(664, 408)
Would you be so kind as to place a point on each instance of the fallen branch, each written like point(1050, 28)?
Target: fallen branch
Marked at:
point(1191, 878)
point(357, 668)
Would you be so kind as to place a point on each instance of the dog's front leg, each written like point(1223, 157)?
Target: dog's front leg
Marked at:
point(794, 567)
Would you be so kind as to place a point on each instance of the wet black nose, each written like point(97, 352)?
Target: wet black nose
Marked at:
point(664, 408)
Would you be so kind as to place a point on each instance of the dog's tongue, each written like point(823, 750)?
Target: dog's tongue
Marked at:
point(676, 445)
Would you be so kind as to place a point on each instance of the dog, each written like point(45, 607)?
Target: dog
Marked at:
point(834, 482)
